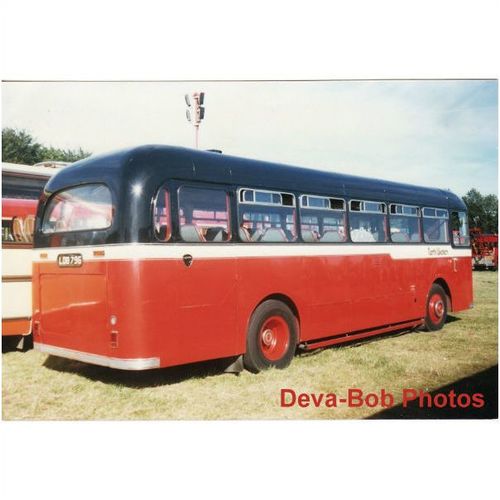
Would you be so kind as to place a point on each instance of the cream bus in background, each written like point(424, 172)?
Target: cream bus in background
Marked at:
point(21, 189)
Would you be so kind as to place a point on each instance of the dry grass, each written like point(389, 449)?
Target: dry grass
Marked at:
point(38, 387)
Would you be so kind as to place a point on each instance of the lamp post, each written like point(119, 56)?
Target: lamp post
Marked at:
point(195, 112)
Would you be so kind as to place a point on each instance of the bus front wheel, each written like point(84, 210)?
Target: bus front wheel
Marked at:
point(271, 338)
point(436, 308)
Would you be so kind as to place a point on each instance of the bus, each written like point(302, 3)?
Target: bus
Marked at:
point(159, 256)
point(22, 185)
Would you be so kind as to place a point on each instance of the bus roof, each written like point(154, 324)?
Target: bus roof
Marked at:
point(38, 170)
point(153, 164)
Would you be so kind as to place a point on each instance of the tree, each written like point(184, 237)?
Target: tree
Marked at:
point(18, 146)
point(483, 210)
point(64, 154)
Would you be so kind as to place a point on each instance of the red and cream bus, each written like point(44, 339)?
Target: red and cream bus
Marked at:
point(22, 186)
point(159, 256)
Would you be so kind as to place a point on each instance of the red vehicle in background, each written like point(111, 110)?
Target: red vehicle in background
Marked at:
point(484, 250)
point(22, 186)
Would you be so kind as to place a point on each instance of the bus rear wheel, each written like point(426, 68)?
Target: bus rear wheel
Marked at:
point(271, 337)
point(436, 309)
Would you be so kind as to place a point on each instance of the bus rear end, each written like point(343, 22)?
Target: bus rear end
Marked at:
point(75, 311)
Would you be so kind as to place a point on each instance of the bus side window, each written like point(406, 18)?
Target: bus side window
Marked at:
point(161, 215)
point(367, 221)
point(460, 229)
point(404, 221)
point(435, 223)
point(266, 216)
point(204, 215)
point(18, 230)
point(7, 232)
point(323, 220)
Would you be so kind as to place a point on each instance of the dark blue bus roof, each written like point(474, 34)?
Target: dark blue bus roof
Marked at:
point(153, 164)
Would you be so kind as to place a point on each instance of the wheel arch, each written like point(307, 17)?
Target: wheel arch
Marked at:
point(444, 285)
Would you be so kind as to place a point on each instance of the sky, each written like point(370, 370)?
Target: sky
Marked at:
point(434, 133)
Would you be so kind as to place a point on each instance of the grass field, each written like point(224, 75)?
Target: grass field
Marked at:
point(41, 387)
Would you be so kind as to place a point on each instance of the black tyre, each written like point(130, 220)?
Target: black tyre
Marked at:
point(436, 308)
point(27, 343)
point(10, 343)
point(271, 338)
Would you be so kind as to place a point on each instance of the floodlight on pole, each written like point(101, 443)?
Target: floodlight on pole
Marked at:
point(197, 113)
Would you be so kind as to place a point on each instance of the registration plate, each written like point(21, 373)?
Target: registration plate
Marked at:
point(70, 260)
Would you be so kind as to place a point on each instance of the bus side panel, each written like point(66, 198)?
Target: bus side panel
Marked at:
point(328, 296)
point(17, 326)
point(261, 277)
point(205, 319)
point(383, 290)
point(456, 273)
point(333, 294)
point(164, 308)
point(16, 307)
point(16, 291)
point(459, 279)
point(351, 293)
point(461, 285)
point(161, 307)
point(131, 299)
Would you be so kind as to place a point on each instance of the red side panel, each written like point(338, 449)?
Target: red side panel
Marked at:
point(188, 314)
point(460, 284)
point(163, 308)
point(17, 207)
point(17, 326)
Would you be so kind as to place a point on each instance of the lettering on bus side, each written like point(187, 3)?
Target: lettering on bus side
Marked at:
point(437, 252)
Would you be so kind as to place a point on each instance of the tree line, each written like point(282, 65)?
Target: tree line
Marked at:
point(482, 210)
point(18, 146)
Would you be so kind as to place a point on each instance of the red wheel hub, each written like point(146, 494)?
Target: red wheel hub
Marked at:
point(436, 308)
point(274, 338)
